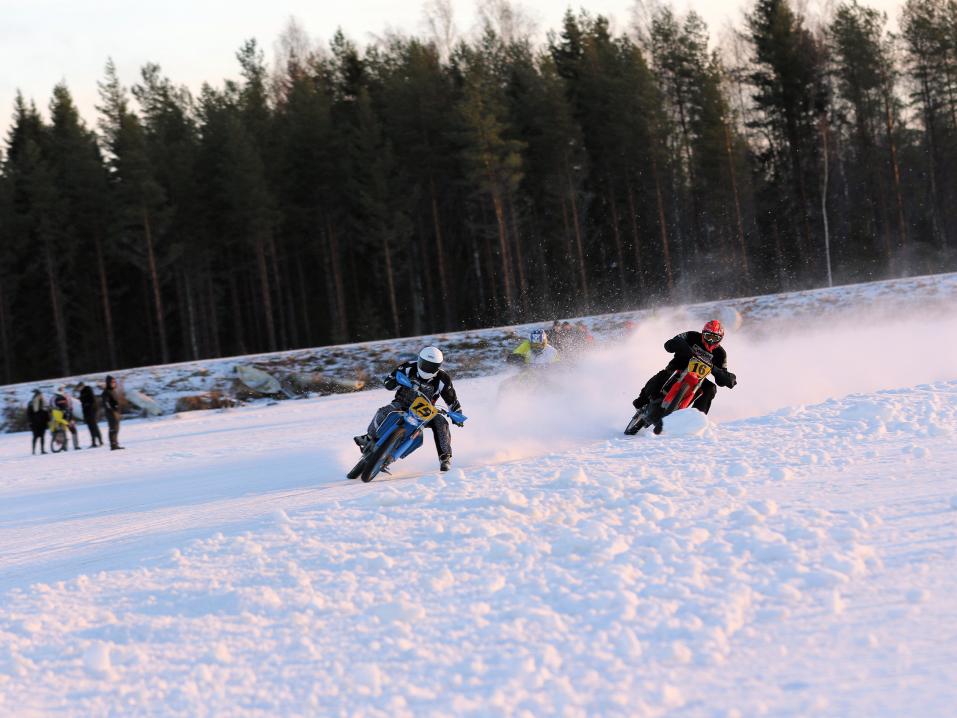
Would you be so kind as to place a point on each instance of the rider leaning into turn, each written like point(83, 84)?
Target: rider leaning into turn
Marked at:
point(707, 339)
point(426, 374)
point(534, 351)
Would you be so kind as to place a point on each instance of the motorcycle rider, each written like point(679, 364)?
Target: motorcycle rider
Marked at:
point(534, 351)
point(426, 374)
point(708, 339)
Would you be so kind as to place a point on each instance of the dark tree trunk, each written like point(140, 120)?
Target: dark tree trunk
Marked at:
point(636, 239)
point(506, 267)
point(56, 304)
point(390, 285)
point(739, 224)
point(619, 249)
point(237, 316)
point(579, 248)
point(341, 327)
point(105, 298)
point(155, 284)
point(212, 308)
point(5, 338)
point(282, 332)
point(519, 257)
point(265, 295)
point(440, 260)
point(304, 305)
point(191, 316)
point(663, 226)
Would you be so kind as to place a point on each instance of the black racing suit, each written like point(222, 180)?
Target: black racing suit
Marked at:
point(681, 346)
point(438, 386)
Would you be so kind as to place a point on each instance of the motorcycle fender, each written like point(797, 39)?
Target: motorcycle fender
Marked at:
point(684, 389)
point(690, 395)
point(410, 445)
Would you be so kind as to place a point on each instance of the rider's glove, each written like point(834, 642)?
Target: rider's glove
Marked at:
point(725, 378)
point(458, 423)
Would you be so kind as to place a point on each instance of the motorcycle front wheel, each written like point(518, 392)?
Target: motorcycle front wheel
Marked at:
point(357, 469)
point(636, 424)
point(381, 456)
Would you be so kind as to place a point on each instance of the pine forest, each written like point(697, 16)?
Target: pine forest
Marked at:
point(416, 185)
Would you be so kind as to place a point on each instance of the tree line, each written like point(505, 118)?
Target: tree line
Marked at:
point(414, 186)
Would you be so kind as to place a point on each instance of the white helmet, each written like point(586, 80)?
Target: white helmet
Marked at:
point(430, 359)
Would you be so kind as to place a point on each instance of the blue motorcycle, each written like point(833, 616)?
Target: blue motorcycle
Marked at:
point(400, 433)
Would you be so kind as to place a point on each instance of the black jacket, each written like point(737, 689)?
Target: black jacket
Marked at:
point(88, 399)
point(111, 405)
point(439, 385)
point(37, 416)
point(689, 344)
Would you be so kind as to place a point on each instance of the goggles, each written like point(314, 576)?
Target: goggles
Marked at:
point(711, 338)
point(428, 368)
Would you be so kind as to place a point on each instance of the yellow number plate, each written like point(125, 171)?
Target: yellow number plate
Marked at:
point(699, 367)
point(423, 409)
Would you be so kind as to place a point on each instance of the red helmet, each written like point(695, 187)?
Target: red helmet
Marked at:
point(712, 334)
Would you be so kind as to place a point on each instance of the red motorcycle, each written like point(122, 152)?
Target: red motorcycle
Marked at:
point(679, 392)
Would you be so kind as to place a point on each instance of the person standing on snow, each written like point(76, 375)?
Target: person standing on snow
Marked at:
point(684, 346)
point(88, 402)
point(62, 404)
point(38, 416)
point(111, 407)
point(426, 374)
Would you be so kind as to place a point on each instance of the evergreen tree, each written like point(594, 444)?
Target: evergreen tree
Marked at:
point(137, 197)
point(790, 97)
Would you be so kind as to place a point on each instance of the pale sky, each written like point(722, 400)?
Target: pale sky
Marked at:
point(45, 41)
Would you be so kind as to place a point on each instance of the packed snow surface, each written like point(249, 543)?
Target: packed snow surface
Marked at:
point(791, 554)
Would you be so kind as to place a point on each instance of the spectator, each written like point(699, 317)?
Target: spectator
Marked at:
point(62, 402)
point(38, 416)
point(88, 401)
point(111, 407)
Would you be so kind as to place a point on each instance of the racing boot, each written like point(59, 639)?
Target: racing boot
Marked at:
point(641, 401)
point(362, 441)
point(445, 463)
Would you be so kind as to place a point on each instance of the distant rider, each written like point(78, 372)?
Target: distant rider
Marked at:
point(708, 339)
point(426, 374)
point(534, 351)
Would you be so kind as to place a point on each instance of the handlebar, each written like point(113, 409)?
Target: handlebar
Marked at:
point(455, 416)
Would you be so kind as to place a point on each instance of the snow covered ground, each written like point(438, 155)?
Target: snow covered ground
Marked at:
point(793, 554)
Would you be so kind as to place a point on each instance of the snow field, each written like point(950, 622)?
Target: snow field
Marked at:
point(627, 577)
point(789, 555)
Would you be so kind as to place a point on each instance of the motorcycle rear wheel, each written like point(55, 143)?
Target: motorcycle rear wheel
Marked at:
point(380, 457)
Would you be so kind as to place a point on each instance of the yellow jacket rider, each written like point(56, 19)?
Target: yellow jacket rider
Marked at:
point(534, 351)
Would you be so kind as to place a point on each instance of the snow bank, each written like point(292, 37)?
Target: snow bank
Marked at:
point(784, 319)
